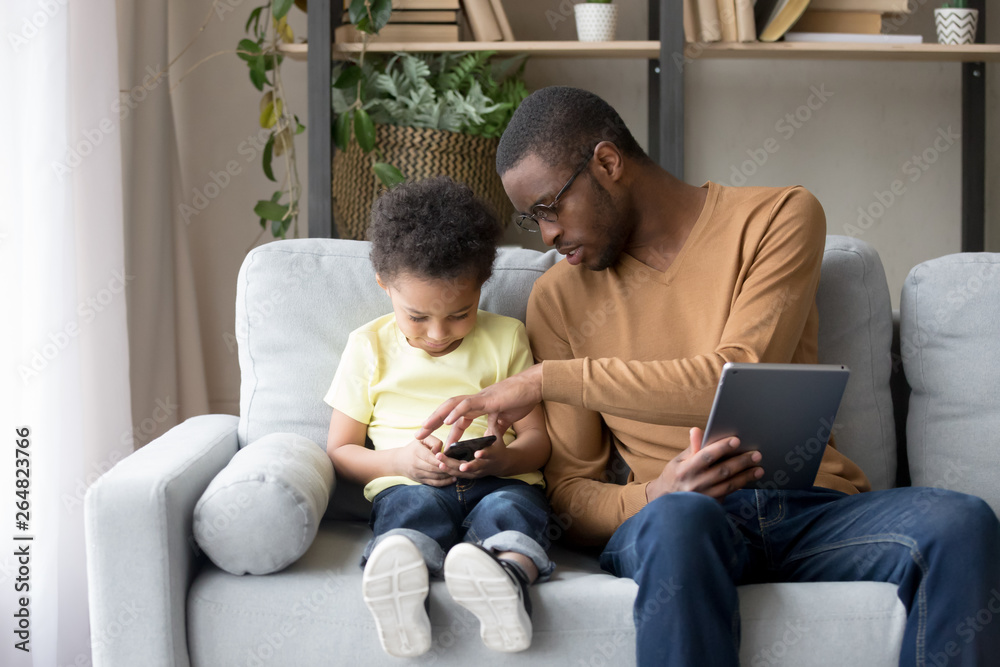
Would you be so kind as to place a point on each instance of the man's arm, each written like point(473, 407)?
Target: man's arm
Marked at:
point(588, 507)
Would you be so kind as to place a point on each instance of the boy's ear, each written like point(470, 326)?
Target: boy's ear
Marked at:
point(381, 284)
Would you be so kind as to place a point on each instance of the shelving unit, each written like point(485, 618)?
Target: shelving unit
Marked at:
point(666, 90)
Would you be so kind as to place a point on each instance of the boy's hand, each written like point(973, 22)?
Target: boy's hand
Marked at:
point(489, 461)
point(417, 461)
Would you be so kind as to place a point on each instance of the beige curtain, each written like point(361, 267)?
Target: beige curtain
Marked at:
point(167, 366)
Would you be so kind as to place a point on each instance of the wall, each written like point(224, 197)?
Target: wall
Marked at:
point(848, 150)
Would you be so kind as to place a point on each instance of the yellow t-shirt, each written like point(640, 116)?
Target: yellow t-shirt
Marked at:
point(393, 387)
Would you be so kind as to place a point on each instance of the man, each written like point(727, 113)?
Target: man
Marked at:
point(664, 283)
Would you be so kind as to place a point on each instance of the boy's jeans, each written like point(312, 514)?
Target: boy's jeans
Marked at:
point(500, 514)
point(688, 552)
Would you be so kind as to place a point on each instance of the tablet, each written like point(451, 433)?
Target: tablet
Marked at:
point(784, 411)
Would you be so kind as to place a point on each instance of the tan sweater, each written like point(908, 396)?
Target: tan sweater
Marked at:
point(631, 356)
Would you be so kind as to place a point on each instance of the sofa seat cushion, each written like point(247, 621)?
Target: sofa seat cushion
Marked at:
point(949, 328)
point(312, 614)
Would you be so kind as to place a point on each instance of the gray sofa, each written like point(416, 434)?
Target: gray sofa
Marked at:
point(156, 599)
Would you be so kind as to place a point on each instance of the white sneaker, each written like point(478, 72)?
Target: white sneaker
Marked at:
point(395, 586)
point(478, 581)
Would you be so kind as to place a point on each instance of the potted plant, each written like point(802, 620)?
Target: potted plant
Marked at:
point(956, 23)
point(596, 20)
point(410, 115)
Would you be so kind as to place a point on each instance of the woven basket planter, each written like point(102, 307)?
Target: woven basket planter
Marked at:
point(418, 153)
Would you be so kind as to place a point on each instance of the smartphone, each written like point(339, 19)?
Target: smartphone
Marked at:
point(463, 450)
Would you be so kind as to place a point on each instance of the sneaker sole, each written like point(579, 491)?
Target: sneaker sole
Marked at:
point(394, 586)
point(478, 583)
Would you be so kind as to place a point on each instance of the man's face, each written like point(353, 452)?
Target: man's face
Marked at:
point(591, 228)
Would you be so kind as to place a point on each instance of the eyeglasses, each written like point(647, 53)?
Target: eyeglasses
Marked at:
point(547, 212)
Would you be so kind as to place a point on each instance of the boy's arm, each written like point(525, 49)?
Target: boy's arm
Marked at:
point(360, 465)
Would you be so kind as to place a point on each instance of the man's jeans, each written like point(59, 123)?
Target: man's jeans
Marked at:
point(498, 513)
point(688, 552)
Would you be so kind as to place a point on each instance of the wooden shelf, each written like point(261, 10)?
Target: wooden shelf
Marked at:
point(846, 51)
point(650, 50)
point(563, 49)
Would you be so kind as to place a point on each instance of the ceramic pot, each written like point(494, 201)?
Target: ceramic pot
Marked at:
point(596, 22)
point(956, 26)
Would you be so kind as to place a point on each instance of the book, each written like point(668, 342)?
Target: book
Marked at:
point(501, 16)
point(709, 29)
point(419, 16)
point(821, 21)
point(773, 18)
point(401, 32)
point(483, 21)
point(861, 38)
point(727, 19)
point(746, 29)
point(417, 4)
point(690, 22)
point(882, 6)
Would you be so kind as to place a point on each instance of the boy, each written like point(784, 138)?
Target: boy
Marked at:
point(433, 246)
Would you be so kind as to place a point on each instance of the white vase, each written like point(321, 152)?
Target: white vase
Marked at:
point(956, 26)
point(596, 22)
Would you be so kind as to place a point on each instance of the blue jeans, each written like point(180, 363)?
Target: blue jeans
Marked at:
point(498, 513)
point(688, 552)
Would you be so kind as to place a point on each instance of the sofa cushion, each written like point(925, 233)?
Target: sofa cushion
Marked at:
point(261, 512)
point(312, 613)
point(297, 301)
point(855, 329)
point(949, 328)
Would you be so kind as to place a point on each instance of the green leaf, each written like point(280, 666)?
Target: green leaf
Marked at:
point(381, 11)
point(248, 45)
point(388, 174)
point(364, 130)
point(263, 223)
point(268, 150)
point(357, 11)
point(280, 7)
point(254, 18)
point(270, 210)
point(299, 127)
point(349, 77)
point(342, 130)
point(257, 78)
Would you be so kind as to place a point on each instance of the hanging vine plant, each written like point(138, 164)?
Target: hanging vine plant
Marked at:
point(268, 27)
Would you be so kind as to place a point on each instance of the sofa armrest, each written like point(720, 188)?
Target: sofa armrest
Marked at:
point(140, 551)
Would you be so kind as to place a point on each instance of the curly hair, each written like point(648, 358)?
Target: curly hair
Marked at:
point(562, 125)
point(435, 228)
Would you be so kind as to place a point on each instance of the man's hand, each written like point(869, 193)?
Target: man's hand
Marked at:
point(505, 402)
point(713, 471)
point(417, 461)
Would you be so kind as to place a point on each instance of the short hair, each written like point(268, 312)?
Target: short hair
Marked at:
point(435, 229)
point(562, 125)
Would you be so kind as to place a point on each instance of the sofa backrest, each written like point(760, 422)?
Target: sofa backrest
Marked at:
point(950, 347)
point(855, 329)
point(297, 301)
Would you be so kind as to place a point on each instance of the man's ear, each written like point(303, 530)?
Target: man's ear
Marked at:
point(609, 160)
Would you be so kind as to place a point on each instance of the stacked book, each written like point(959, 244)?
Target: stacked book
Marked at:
point(868, 21)
point(435, 21)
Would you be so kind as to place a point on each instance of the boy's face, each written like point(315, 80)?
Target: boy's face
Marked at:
point(434, 315)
